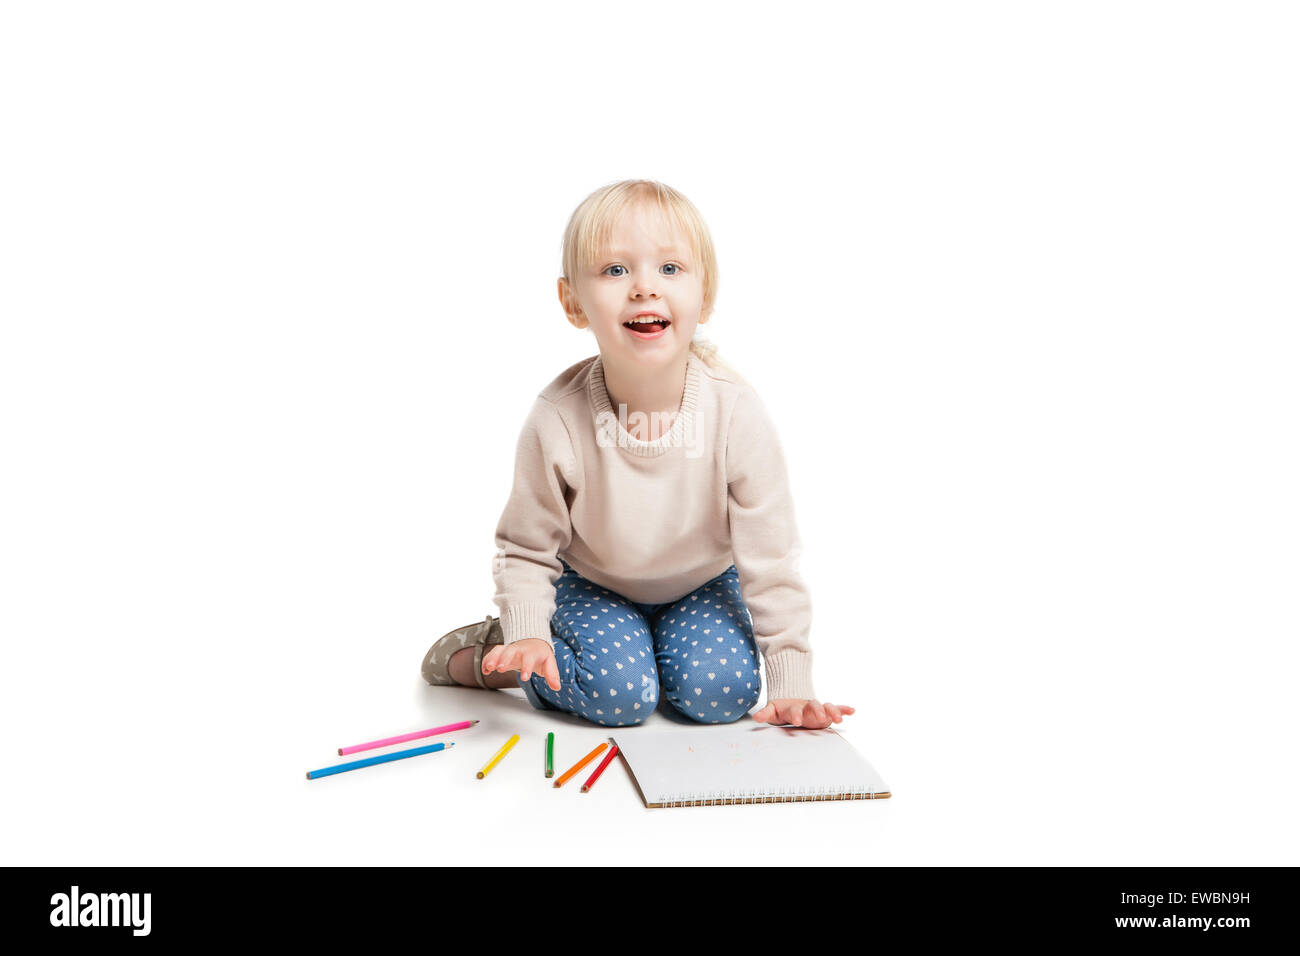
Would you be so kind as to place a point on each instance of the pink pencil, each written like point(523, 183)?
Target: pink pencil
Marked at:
point(405, 737)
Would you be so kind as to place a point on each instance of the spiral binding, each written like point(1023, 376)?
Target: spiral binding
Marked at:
point(783, 795)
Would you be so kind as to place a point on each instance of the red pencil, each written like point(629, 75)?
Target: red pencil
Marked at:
point(601, 769)
point(568, 774)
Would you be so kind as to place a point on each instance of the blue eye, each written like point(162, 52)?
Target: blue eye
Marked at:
point(618, 275)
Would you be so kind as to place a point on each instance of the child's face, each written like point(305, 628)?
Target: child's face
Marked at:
point(648, 267)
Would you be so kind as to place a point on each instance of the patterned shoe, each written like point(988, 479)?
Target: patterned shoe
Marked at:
point(480, 636)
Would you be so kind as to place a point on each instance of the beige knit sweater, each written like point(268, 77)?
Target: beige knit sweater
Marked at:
point(655, 520)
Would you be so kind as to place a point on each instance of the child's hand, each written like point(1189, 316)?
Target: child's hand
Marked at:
point(801, 713)
point(526, 656)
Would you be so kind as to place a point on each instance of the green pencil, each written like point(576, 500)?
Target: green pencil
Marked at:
point(550, 755)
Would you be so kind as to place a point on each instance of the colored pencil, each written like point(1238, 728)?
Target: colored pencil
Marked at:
point(550, 755)
point(432, 731)
point(382, 758)
point(497, 759)
point(579, 765)
point(601, 769)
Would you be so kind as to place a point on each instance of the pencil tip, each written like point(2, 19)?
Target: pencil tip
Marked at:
point(584, 789)
point(340, 751)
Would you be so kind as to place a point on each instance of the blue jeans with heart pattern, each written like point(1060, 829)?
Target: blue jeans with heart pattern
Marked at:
point(616, 657)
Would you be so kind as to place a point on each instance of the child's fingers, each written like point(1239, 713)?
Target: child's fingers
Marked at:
point(536, 663)
point(545, 666)
point(503, 658)
point(552, 672)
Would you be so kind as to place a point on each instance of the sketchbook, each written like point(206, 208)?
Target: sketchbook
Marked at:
point(748, 764)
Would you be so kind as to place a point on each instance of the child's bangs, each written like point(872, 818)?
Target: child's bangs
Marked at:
point(595, 235)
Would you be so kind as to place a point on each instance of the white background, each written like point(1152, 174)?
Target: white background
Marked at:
point(1017, 282)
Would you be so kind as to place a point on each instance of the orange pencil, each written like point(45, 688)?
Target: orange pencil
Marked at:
point(579, 765)
point(601, 769)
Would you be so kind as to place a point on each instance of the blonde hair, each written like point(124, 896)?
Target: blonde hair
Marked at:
point(592, 224)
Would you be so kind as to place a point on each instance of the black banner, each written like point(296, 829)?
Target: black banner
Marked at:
point(136, 907)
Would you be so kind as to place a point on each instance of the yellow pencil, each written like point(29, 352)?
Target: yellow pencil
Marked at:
point(579, 765)
point(497, 759)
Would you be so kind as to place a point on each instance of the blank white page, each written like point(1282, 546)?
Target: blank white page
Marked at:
point(749, 761)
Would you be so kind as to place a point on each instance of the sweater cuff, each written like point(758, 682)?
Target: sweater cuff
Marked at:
point(522, 621)
point(789, 674)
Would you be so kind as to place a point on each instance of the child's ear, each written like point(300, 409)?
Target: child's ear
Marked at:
point(569, 302)
point(705, 316)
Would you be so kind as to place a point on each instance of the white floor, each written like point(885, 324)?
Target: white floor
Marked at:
point(226, 785)
point(437, 811)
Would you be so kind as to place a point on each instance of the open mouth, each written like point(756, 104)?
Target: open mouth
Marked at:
point(647, 326)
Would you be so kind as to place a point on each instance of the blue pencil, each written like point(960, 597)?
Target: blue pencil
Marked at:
point(382, 758)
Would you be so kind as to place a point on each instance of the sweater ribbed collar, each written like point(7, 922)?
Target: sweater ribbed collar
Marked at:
point(683, 424)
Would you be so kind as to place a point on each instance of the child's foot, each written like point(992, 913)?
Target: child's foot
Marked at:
point(461, 669)
point(477, 638)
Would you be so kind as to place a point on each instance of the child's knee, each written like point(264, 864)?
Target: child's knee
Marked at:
point(621, 696)
point(716, 702)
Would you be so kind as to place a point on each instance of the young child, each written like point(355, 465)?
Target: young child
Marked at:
point(649, 544)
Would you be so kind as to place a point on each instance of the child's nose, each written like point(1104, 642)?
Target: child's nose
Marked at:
point(645, 284)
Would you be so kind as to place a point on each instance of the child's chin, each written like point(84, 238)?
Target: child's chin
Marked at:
point(655, 353)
